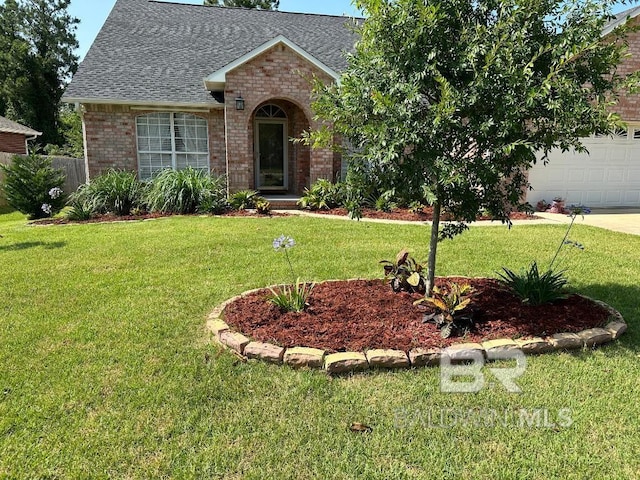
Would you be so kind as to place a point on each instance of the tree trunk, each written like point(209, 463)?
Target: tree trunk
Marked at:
point(433, 248)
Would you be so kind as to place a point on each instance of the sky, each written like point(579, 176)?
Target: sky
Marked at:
point(93, 13)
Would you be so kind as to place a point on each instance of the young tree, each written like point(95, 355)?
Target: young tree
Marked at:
point(451, 100)
point(260, 4)
point(38, 40)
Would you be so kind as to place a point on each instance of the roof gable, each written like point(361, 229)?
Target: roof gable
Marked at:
point(217, 79)
point(158, 53)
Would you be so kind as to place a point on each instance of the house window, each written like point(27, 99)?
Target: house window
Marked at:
point(271, 111)
point(171, 140)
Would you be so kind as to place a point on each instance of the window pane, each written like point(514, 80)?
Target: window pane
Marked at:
point(158, 142)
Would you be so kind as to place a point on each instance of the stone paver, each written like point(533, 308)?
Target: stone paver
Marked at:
point(534, 345)
point(595, 336)
point(235, 341)
point(499, 346)
point(616, 329)
point(384, 358)
point(304, 357)
point(565, 341)
point(264, 351)
point(463, 351)
point(425, 357)
point(345, 362)
point(217, 326)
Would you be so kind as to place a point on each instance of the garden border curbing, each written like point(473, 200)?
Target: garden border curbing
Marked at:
point(373, 359)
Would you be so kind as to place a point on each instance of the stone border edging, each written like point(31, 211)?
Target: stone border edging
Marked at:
point(347, 362)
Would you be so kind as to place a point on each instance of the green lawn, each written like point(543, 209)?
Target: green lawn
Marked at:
point(106, 370)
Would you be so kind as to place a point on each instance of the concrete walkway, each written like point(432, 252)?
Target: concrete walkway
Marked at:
point(624, 220)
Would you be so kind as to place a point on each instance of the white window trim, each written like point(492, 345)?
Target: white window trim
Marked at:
point(174, 153)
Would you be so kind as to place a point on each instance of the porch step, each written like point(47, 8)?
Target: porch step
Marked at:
point(283, 202)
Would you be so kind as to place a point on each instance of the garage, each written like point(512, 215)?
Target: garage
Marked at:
point(608, 176)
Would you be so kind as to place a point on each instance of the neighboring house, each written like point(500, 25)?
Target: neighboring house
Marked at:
point(219, 89)
point(14, 137)
point(225, 89)
point(609, 176)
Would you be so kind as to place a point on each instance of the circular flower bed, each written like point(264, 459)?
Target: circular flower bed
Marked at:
point(354, 318)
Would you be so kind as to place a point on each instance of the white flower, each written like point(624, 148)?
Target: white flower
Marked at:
point(46, 208)
point(55, 192)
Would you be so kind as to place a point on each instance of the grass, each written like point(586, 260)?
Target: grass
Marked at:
point(106, 371)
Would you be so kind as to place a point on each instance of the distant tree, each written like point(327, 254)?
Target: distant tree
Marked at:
point(260, 4)
point(70, 128)
point(37, 43)
point(452, 100)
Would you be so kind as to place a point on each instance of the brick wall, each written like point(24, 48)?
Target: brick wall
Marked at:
point(279, 76)
point(12, 143)
point(629, 105)
point(110, 138)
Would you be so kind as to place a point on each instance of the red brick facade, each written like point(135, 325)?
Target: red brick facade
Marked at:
point(278, 76)
point(628, 106)
point(12, 143)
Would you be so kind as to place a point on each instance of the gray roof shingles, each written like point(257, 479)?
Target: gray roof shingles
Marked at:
point(9, 126)
point(149, 51)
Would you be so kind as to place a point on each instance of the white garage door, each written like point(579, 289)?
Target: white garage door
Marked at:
point(609, 176)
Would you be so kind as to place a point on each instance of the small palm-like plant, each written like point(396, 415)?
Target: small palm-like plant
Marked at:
point(533, 287)
point(244, 199)
point(449, 304)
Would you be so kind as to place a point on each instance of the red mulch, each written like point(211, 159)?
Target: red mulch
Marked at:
point(363, 314)
point(406, 215)
point(145, 216)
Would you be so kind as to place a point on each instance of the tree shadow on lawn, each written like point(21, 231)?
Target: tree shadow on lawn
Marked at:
point(624, 299)
point(15, 247)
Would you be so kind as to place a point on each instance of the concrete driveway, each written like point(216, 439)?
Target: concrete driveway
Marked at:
point(625, 220)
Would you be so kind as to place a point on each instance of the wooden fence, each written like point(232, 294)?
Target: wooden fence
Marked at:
point(75, 174)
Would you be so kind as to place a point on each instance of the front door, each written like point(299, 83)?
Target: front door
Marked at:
point(271, 155)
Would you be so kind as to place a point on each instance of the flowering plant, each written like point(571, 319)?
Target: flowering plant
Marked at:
point(574, 211)
point(290, 298)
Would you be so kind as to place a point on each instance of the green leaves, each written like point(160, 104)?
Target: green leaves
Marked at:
point(29, 186)
point(449, 303)
point(533, 287)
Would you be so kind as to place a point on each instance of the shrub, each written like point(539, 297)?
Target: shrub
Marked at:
point(187, 191)
point(263, 207)
point(323, 195)
point(116, 191)
point(33, 187)
point(245, 199)
point(535, 288)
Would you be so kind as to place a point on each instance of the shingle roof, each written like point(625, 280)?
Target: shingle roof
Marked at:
point(150, 51)
point(8, 126)
point(620, 19)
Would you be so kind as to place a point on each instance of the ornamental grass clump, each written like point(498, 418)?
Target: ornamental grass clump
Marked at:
point(540, 288)
point(290, 298)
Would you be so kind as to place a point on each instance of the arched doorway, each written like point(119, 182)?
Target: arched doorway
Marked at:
point(280, 165)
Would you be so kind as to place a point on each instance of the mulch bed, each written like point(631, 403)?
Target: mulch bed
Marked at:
point(145, 216)
point(406, 215)
point(363, 314)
